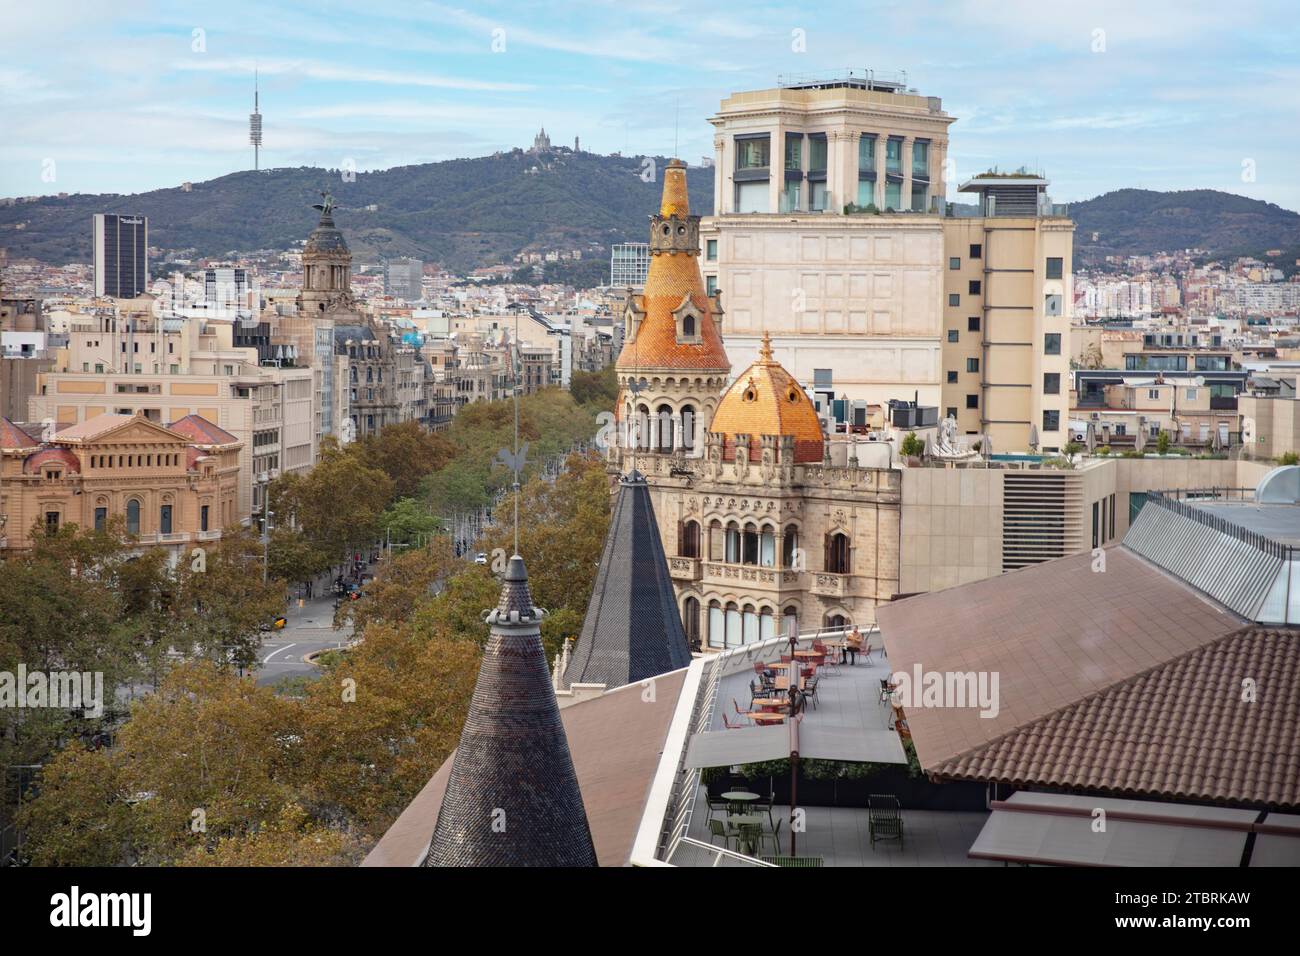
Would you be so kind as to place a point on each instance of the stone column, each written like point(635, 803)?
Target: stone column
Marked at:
point(906, 160)
point(882, 147)
point(776, 166)
point(721, 176)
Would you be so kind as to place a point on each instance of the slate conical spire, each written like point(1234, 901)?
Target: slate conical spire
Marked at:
point(632, 630)
point(513, 798)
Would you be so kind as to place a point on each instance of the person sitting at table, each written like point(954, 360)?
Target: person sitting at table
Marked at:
point(852, 644)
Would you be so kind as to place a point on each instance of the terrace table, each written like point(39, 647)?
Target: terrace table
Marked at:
point(763, 719)
point(753, 819)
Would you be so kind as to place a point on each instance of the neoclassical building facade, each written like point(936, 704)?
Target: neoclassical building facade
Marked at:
point(766, 523)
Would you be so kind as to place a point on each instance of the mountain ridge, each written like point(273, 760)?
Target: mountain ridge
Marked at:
point(465, 213)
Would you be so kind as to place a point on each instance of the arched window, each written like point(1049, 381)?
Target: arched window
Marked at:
point(733, 543)
point(691, 621)
point(354, 375)
point(790, 621)
point(643, 427)
point(664, 429)
point(370, 375)
point(133, 516)
point(749, 553)
point(749, 624)
point(717, 541)
point(789, 545)
point(733, 625)
point(688, 541)
point(767, 547)
point(688, 426)
point(836, 622)
point(717, 625)
point(688, 327)
point(837, 553)
point(766, 624)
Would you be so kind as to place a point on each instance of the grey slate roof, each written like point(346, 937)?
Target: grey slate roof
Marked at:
point(326, 237)
point(633, 629)
point(513, 798)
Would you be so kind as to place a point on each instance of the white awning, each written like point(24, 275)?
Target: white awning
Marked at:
point(729, 748)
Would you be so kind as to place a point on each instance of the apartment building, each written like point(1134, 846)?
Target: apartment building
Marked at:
point(1007, 285)
point(134, 362)
point(827, 232)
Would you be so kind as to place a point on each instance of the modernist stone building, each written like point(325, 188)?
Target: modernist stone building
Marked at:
point(766, 522)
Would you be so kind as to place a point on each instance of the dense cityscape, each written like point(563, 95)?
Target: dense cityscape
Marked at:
point(840, 511)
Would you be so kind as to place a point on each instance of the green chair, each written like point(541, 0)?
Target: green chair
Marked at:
point(719, 829)
point(884, 820)
point(750, 838)
point(775, 837)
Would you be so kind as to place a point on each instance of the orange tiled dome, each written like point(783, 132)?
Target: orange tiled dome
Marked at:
point(673, 277)
point(766, 400)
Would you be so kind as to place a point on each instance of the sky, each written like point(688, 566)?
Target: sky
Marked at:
point(134, 95)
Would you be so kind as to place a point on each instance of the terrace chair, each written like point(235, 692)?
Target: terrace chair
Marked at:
point(728, 724)
point(775, 837)
point(771, 802)
point(810, 690)
point(739, 713)
point(719, 829)
point(884, 820)
point(716, 805)
point(749, 838)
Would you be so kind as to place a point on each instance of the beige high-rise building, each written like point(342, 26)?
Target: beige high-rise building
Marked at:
point(827, 233)
point(1006, 297)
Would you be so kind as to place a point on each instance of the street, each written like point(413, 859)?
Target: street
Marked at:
point(310, 628)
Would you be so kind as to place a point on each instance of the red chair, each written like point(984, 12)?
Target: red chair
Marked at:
point(728, 724)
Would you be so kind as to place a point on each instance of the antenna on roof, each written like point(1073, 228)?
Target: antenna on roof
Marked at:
point(518, 363)
point(677, 111)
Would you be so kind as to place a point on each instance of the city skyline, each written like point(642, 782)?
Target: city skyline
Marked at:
point(1101, 99)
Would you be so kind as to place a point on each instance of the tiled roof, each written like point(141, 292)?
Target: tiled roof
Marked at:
point(33, 463)
point(198, 429)
point(615, 740)
point(11, 436)
point(1180, 730)
point(632, 630)
point(765, 399)
point(1054, 633)
point(672, 277)
point(92, 427)
point(512, 797)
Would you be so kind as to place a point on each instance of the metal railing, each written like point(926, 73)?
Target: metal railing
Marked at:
point(719, 853)
point(685, 794)
point(1177, 500)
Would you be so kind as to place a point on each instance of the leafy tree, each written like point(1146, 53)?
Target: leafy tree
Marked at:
point(409, 520)
point(293, 838)
point(337, 504)
point(404, 583)
point(406, 453)
point(224, 601)
point(293, 557)
point(1162, 442)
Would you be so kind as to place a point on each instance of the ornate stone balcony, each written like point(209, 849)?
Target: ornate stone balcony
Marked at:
point(830, 585)
point(742, 573)
point(684, 569)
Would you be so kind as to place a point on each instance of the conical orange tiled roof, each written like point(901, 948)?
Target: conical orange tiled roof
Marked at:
point(674, 276)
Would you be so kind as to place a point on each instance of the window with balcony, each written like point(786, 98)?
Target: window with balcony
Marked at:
point(753, 152)
point(751, 197)
point(866, 156)
point(893, 196)
point(920, 195)
point(688, 545)
point(794, 152)
point(838, 553)
point(133, 516)
point(817, 153)
point(921, 159)
point(165, 519)
point(818, 196)
point(894, 156)
point(790, 196)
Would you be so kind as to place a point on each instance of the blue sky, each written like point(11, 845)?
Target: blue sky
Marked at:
point(121, 97)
